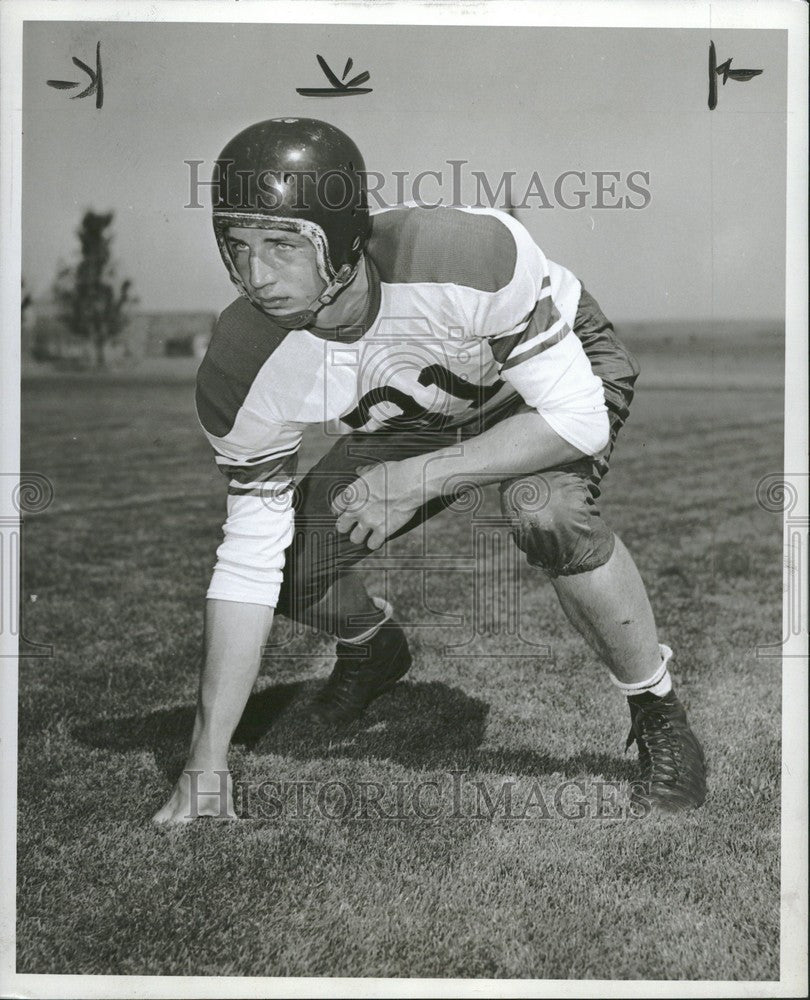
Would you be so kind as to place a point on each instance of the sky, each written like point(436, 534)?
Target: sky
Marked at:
point(708, 245)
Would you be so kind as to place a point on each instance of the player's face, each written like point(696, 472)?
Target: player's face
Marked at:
point(279, 269)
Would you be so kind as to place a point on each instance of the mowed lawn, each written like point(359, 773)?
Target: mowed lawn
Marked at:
point(504, 694)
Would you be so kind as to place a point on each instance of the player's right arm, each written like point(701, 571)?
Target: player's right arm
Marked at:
point(242, 401)
point(239, 614)
point(259, 523)
point(257, 453)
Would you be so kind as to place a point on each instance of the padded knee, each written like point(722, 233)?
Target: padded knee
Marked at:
point(556, 522)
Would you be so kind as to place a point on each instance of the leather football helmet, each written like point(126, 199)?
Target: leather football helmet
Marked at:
point(302, 175)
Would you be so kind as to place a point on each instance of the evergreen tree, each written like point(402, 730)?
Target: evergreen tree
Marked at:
point(93, 305)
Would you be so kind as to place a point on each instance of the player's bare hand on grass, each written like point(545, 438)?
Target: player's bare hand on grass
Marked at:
point(198, 793)
point(376, 505)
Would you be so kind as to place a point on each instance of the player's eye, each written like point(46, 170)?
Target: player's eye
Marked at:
point(238, 247)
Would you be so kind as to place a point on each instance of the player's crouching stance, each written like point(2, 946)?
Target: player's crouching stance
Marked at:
point(418, 330)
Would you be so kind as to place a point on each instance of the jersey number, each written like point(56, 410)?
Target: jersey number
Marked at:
point(412, 413)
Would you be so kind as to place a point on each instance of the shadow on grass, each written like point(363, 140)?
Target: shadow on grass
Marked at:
point(424, 726)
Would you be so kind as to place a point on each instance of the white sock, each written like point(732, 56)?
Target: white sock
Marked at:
point(659, 684)
point(388, 611)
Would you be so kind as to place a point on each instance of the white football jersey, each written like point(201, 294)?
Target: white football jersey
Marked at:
point(464, 313)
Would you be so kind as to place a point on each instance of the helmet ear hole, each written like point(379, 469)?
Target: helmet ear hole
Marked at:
point(351, 165)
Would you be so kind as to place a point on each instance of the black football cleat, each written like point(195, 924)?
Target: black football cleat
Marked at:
point(673, 768)
point(362, 673)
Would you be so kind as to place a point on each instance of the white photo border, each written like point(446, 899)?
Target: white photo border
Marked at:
point(662, 14)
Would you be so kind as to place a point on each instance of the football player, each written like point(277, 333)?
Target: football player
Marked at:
point(452, 352)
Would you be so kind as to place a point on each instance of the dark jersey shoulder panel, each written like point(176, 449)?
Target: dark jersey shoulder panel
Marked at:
point(243, 340)
point(443, 245)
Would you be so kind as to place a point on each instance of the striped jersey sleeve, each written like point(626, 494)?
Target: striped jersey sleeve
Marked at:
point(528, 322)
point(256, 452)
point(257, 531)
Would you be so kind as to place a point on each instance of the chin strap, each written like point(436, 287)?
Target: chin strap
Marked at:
point(306, 317)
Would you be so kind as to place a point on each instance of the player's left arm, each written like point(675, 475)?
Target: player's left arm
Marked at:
point(392, 492)
point(568, 421)
point(530, 332)
point(519, 444)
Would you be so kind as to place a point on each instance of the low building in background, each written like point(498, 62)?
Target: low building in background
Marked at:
point(169, 334)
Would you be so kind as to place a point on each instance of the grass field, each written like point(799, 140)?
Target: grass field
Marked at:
point(118, 565)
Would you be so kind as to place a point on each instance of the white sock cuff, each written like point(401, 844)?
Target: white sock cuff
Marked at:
point(388, 610)
point(638, 687)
